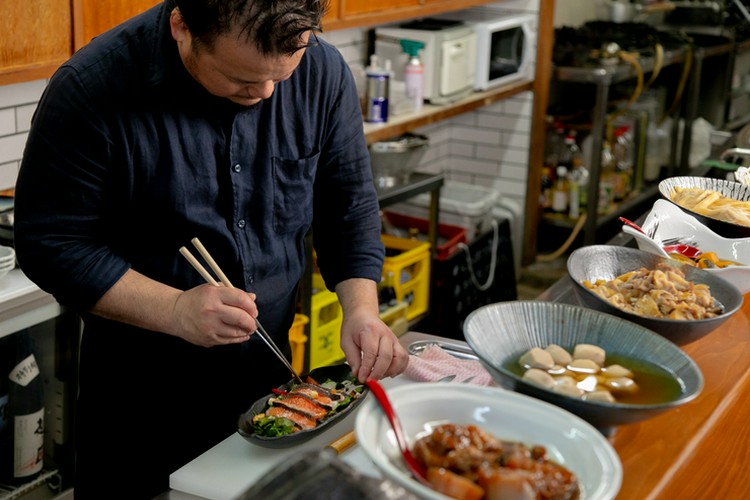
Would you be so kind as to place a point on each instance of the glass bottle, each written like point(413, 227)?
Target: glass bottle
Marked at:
point(25, 413)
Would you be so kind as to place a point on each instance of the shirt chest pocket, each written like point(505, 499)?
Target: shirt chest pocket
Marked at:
point(292, 196)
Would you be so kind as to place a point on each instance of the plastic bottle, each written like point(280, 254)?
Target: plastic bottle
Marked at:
point(608, 179)
point(574, 195)
point(414, 72)
point(25, 414)
point(622, 148)
point(560, 191)
point(545, 195)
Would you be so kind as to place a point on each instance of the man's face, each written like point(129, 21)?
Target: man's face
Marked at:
point(234, 69)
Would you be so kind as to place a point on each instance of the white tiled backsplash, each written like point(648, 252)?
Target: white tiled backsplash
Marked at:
point(488, 146)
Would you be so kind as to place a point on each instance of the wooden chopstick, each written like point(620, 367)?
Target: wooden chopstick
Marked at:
point(344, 442)
point(225, 281)
point(211, 262)
point(198, 266)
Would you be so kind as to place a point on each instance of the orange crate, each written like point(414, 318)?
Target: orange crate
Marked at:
point(325, 326)
point(297, 340)
point(409, 261)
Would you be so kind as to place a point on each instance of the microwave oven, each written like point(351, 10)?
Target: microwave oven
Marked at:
point(506, 42)
point(448, 55)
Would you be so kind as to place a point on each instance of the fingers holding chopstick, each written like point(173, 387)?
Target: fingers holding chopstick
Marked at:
point(235, 325)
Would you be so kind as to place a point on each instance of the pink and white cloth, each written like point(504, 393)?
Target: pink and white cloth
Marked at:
point(434, 363)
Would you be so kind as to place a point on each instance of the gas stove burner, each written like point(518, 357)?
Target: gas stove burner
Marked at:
point(575, 46)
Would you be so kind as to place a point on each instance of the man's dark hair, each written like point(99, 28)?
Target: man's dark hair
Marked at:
point(275, 26)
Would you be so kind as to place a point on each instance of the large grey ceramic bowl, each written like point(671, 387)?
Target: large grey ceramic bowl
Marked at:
point(609, 261)
point(500, 333)
point(730, 189)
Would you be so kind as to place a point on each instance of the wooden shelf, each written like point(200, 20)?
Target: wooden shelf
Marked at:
point(342, 18)
point(431, 113)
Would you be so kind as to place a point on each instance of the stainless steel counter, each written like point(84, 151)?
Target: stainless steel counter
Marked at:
point(23, 304)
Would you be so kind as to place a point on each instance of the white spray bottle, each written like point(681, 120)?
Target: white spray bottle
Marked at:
point(414, 72)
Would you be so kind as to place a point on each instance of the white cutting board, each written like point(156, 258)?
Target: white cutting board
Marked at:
point(228, 469)
point(231, 467)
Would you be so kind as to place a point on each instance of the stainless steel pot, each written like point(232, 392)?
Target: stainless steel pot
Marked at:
point(394, 160)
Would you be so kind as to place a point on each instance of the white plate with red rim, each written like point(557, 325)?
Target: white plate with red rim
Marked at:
point(666, 221)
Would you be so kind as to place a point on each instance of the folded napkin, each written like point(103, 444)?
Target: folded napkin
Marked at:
point(434, 363)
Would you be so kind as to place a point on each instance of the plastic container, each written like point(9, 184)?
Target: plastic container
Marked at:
point(298, 340)
point(325, 326)
point(409, 261)
point(464, 205)
point(448, 236)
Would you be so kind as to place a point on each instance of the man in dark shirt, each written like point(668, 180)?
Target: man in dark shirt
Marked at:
point(223, 120)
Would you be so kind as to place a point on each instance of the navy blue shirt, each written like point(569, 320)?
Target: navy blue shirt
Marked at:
point(129, 158)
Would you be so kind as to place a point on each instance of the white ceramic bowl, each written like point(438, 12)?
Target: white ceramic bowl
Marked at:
point(509, 416)
point(729, 189)
point(666, 220)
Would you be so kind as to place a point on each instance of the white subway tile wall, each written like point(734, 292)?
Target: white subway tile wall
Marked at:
point(17, 104)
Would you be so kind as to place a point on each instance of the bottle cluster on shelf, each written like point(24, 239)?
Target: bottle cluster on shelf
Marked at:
point(565, 174)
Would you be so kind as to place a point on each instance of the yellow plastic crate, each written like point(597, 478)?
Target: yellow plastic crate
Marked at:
point(325, 326)
point(409, 261)
point(297, 340)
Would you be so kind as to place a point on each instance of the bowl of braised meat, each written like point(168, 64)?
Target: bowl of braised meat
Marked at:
point(604, 369)
point(296, 412)
point(675, 299)
point(486, 442)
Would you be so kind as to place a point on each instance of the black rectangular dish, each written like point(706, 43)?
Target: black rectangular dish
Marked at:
point(336, 373)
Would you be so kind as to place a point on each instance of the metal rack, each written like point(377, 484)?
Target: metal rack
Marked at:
point(603, 77)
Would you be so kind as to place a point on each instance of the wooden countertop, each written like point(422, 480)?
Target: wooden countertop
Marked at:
point(698, 450)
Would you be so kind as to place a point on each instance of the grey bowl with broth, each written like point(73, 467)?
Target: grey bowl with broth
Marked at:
point(501, 333)
point(607, 262)
point(730, 189)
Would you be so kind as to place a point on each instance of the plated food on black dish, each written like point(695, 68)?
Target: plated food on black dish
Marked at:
point(295, 412)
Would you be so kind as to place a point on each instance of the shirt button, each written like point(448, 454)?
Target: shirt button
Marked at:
point(237, 167)
point(251, 280)
point(241, 223)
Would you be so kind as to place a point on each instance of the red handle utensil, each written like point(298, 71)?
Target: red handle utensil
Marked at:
point(416, 468)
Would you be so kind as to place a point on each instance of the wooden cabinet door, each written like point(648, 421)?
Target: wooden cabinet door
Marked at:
point(333, 12)
point(37, 38)
point(358, 7)
point(92, 17)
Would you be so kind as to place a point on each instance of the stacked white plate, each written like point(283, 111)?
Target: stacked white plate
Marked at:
point(7, 259)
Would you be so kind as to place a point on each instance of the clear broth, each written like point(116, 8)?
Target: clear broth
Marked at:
point(656, 385)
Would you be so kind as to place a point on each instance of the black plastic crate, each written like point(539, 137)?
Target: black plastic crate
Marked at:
point(455, 294)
